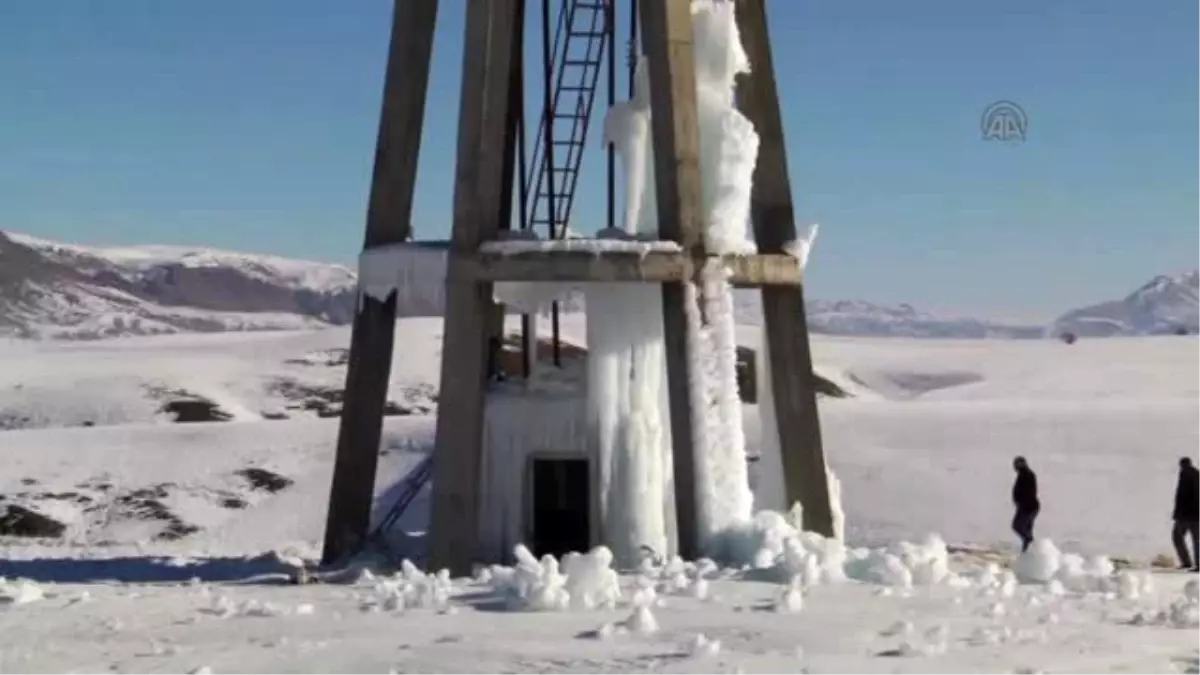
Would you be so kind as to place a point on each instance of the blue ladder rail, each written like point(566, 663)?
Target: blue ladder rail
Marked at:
point(410, 487)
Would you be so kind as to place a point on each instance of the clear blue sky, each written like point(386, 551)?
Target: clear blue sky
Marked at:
point(250, 124)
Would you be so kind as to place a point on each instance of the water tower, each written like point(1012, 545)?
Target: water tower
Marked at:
point(502, 169)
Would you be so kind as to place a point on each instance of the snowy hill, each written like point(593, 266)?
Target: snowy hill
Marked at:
point(53, 290)
point(64, 291)
point(1164, 305)
point(868, 319)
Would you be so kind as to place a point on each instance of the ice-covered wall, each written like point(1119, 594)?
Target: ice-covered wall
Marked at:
point(415, 271)
point(520, 426)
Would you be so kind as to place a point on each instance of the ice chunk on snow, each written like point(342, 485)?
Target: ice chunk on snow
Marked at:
point(641, 621)
point(1128, 585)
point(586, 581)
point(591, 582)
point(1039, 563)
point(534, 585)
point(792, 599)
point(928, 562)
point(1184, 614)
point(1098, 566)
point(881, 567)
point(702, 646)
point(19, 592)
point(410, 587)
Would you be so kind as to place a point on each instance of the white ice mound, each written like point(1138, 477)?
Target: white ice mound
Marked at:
point(775, 549)
point(591, 581)
point(1039, 563)
point(586, 581)
point(410, 588)
point(928, 562)
point(1043, 563)
point(19, 592)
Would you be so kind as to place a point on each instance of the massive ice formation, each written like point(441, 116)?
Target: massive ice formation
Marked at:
point(627, 372)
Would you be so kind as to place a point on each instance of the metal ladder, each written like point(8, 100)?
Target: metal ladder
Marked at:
point(410, 487)
point(580, 38)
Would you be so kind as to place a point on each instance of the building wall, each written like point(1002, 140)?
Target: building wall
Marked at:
point(521, 426)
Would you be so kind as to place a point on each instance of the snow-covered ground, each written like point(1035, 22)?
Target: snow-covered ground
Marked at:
point(923, 445)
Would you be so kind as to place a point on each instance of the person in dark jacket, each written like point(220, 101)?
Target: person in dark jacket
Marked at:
point(1187, 515)
point(1025, 499)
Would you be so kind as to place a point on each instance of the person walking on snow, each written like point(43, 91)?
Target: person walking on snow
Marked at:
point(1187, 515)
point(1025, 499)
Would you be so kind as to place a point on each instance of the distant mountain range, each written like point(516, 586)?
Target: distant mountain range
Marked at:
point(51, 290)
point(1164, 305)
point(858, 317)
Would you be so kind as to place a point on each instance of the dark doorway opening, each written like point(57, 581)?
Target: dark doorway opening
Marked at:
point(561, 514)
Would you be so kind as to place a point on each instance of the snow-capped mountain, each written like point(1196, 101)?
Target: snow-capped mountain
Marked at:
point(1164, 305)
point(856, 317)
point(55, 290)
point(868, 319)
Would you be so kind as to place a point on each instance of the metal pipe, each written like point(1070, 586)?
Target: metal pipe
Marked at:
point(548, 141)
point(633, 42)
point(610, 14)
point(527, 325)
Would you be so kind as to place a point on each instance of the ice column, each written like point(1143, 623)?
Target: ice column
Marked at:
point(728, 151)
point(627, 370)
point(627, 396)
point(627, 402)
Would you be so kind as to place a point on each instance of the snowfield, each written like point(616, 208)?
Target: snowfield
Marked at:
point(922, 445)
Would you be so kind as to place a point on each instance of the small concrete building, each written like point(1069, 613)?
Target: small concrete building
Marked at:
point(540, 479)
